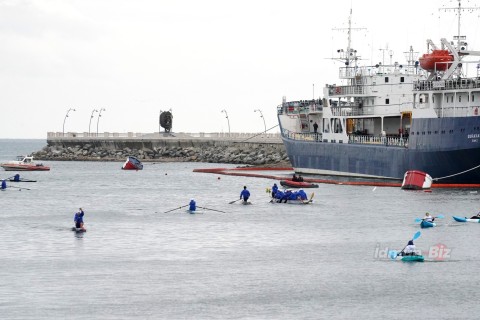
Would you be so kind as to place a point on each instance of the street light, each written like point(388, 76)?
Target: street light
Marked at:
point(91, 116)
point(66, 116)
point(261, 116)
point(99, 115)
point(228, 121)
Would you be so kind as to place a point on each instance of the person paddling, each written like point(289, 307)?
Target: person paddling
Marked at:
point(192, 206)
point(78, 219)
point(274, 190)
point(4, 185)
point(16, 178)
point(245, 194)
point(428, 217)
point(409, 250)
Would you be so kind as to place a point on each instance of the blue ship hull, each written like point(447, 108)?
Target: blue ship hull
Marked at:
point(448, 149)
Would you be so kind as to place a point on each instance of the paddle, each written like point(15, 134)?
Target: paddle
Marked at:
point(235, 201)
point(393, 254)
point(211, 209)
point(18, 188)
point(440, 216)
point(176, 208)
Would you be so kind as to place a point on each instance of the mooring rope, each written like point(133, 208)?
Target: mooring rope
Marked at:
point(456, 174)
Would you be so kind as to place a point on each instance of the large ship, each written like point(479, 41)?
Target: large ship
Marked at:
point(388, 119)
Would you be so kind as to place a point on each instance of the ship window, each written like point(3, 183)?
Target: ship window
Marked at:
point(443, 131)
point(429, 132)
point(386, 79)
point(436, 132)
point(387, 101)
point(402, 79)
point(423, 133)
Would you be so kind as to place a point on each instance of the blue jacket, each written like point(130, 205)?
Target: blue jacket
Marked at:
point(4, 184)
point(274, 188)
point(78, 217)
point(244, 194)
point(193, 205)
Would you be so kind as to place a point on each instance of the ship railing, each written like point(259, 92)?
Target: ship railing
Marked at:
point(450, 84)
point(356, 71)
point(346, 90)
point(297, 107)
point(352, 138)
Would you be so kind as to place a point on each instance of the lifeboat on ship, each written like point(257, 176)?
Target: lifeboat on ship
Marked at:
point(436, 60)
point(132, 163)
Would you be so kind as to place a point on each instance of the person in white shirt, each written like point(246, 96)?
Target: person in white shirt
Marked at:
point(428, 217)
point(410, 249)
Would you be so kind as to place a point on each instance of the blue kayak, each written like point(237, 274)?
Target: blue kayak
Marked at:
point(465, 219)
point(416, 258)
point(427, 224)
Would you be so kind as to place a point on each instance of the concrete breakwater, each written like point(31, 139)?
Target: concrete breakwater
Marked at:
point(167, 147)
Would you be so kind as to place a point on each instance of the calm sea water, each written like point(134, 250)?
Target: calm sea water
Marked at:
point(263, 261)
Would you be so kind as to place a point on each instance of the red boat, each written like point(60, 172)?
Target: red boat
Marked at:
point(416, 180)
point(132, 163)
point(297, 184)
point(24, 163)
point(436, 60)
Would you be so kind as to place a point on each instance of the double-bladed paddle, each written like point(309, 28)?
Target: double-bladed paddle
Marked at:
point(393, 254)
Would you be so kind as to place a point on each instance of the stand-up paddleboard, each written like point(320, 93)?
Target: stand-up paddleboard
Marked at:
point(79, 229)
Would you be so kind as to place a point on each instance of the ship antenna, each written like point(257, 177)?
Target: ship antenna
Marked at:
point(459, 9)
point(350, 55)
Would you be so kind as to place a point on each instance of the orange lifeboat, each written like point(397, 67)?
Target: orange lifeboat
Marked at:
point(436, 60)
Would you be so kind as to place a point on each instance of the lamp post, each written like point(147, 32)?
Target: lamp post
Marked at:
point(66, 116)
point(91, 116)
point(99, 115)
point(228, 121)
point(261, 116)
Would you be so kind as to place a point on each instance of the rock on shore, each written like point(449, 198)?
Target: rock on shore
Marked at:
point(255, 154)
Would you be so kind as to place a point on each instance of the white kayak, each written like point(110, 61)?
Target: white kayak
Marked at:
point(465, 219)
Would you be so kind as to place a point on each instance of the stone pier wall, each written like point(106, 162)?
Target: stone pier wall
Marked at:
point(256, 152)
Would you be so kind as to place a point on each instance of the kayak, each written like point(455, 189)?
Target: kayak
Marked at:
point(294, 201)
point(465, 219)
point(21, 180)
point(78, 229)
point(413, 258)
point(427, 224)
point(297, 184)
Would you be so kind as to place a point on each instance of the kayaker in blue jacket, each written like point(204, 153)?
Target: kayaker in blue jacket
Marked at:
point(16, 177)
point(286, 196)
point(274, 190)
point(79, 219)
point(245, 194)
point(192, 206)
point(4, 185)
point(302, 195)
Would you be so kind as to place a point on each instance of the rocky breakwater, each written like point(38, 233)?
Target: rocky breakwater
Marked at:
point(255, 154)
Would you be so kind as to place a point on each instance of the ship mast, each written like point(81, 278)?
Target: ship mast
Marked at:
point(350, 55)
point(459, 11)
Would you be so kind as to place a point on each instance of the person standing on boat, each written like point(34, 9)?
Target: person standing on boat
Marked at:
point(274, 190)
point(192, 206)
point(409, 249)
point(245, 194)
point(428, 217)
point(79, 219)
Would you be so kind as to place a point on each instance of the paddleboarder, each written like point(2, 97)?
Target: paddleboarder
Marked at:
point(4, 185)
point(78, 219)
point(274, 190)
point(192, 206)
point(245, 194)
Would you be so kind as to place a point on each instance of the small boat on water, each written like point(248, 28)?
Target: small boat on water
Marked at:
point(294, 198)
point(24, 163)
point(427, 224)
point(465, 219)
point(297, 184)
point(416, 180)
point(132, 163)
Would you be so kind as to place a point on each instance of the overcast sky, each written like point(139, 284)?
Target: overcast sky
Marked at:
point(137, 57)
